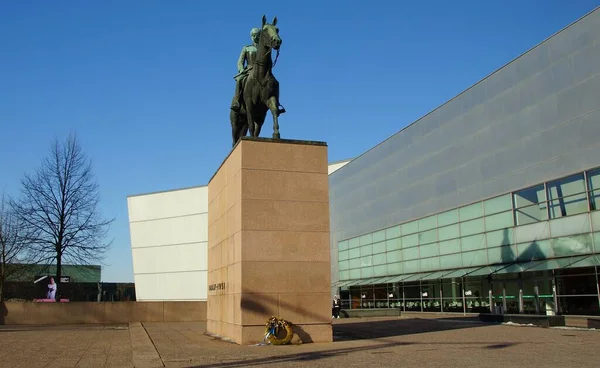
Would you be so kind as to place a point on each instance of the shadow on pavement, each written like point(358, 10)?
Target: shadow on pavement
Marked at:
point(399, 327)
point(345, 331)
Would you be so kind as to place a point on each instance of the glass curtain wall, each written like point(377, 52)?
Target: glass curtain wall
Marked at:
point(557, 219)
point(575, 290)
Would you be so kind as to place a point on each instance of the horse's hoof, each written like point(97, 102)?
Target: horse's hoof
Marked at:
point(276, 136)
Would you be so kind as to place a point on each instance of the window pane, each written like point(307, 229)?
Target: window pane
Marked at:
point(367, 250)
point(595, 200)
point(411, 266)
point(427, 223)
point(366, 239)
point(378, 236)
point(450, 246)
point(410, 228)
point(576, 285)
point(366, 272)
point(344, 275)
point(343, 245)
point(379, 247)
point(594, 188)
point(572, 245)
point(566, 187)
point(379, 270)
point(429, 236)
point(429, 250)
point(538, 249)
point(394, 244)
point(354, 263)
point(499, 238)
point(506, 254)
point(477, 258)
point(355, 274)
point(394, 268)
point(430, 264)
point(571, 225)
point(410, 240)
point(447, 218)
point(379, 259)
point(343, 255)
point(353, 243)
point(473, 242)
point(530, 205)
point(451, 261)
point(566, 206)
point(472, 227)
point(392, 232)
point(393, 257)
point(502, 220)
point(354, 253)
point(410, 253)
point(366, 261)
point(498, 204)
point(448, 232)
point(567, 196)
point(471, 211)
point(343, 265)
point(531, 232)
point(579, 305)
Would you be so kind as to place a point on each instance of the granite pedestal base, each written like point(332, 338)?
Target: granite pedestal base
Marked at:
point(268, 241)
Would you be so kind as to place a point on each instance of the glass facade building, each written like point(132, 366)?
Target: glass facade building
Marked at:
point(490, 203)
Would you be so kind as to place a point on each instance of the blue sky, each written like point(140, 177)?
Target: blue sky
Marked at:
point(147, 85)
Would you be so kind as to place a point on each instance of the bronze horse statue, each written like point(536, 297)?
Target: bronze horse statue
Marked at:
point(260, 88)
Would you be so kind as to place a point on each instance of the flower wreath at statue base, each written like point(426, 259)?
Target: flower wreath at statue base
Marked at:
point(273, 326)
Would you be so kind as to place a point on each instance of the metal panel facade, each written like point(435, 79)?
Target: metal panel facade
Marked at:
point(533, 120)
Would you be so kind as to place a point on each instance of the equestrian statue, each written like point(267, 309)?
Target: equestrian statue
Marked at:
point(256, 89)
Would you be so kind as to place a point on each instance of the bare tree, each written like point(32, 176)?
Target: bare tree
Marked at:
point(59, 207)
point(14, 257)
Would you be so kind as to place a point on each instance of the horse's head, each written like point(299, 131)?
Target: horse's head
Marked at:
point(270, 34)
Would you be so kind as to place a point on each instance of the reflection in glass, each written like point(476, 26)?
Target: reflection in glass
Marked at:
point(430, 295)
point(567, 196)
point(593, 179)
point(576, 285)
point(476, 295)
point(452, 296)
point(579, 305)
point(530, 205)
point(412, 297)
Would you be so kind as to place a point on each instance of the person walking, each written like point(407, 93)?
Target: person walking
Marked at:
point(337, 305)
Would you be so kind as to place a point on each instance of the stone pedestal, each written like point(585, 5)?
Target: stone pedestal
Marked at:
point(268, 241)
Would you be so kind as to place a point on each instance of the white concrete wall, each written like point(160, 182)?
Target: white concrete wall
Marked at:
point(169, 235)
point(333, 167)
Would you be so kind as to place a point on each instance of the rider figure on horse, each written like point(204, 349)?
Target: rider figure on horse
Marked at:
point(247, 56)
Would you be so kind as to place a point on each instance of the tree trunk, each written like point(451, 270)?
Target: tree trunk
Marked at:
point(2, 279)
point(58, 275)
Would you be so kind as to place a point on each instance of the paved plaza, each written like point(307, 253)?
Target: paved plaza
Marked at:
point(397, 342)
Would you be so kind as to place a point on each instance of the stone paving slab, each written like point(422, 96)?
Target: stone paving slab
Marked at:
point(390, 342)
point(142, 348)
point(65, 346)
point(398, 342)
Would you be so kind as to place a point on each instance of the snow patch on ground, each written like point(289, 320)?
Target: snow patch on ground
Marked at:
point(574, 328)
point(519, 324)
point(554, 327)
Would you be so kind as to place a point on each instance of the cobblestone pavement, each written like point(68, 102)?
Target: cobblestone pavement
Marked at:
point(384, 342)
